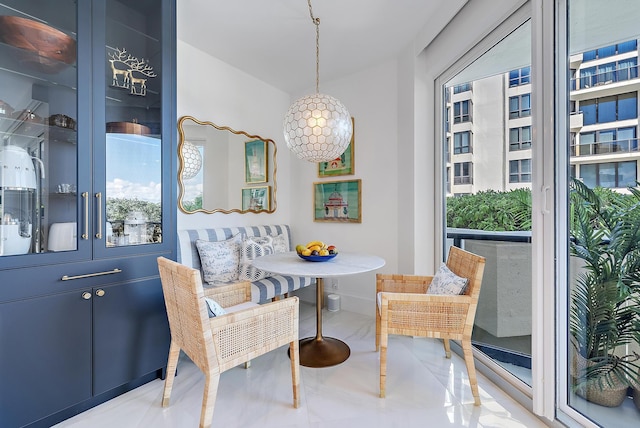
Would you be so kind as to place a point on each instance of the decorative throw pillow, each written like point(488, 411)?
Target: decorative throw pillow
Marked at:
point(447, 282)
point(280, 243)
point(220, 260)
point(252, 247)
point(215, 310)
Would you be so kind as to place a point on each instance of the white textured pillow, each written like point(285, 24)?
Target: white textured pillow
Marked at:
point(280, 243)
point(252, 247)
point(220, 260)
point(215, 310)
point(447, 282)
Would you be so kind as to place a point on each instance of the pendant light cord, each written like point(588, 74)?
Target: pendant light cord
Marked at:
point(316, 22)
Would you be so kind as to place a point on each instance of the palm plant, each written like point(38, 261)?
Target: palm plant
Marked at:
point(605, 304)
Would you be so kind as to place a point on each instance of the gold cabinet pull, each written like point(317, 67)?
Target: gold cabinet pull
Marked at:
point(100, 292)
point(89, 275)
point(86, 295)
point(85, 196)
point(99, 198)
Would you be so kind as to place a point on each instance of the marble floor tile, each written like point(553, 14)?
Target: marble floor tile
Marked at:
point(423, 389)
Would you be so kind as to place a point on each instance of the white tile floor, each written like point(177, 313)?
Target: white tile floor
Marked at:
point(423, 389)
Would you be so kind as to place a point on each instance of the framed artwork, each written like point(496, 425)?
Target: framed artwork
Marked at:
point(338, 201)
point(255, 161)
point(343, 165)
point(256, 198)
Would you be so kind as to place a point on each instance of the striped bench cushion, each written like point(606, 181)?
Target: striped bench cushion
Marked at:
point(262, 290)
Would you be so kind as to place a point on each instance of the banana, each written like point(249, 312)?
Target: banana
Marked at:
point(314, 243)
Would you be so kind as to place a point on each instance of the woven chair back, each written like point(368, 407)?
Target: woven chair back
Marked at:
point(187, 312)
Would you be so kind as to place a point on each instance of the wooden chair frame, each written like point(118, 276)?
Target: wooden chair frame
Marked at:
point(403, 308)
point(221, 343)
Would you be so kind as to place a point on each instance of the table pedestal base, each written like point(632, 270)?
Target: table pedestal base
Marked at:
point(323, 352)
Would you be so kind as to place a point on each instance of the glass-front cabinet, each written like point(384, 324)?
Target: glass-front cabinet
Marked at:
point(87, 201)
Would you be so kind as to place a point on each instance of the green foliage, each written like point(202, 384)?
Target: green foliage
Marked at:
point(491, 210)
point(119, 208)
point(605, 303)
point(194, 205)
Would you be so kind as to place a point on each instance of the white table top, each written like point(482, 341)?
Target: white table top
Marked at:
point(342, 264)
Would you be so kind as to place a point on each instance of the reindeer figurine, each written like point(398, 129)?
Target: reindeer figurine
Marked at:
point(136, 85)
point(119, 72)
point(120, 57)
point(137, 81)
point(139, 84)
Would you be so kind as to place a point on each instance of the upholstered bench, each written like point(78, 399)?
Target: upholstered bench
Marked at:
point(263, 289)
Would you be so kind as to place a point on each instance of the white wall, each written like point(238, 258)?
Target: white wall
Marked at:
point(209, 89)
point(371, 98)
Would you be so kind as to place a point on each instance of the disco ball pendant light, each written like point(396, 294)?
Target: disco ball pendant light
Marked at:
point(318, 127)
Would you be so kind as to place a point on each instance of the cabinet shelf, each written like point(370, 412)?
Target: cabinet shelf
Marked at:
point(32, 131)
point(10, 62)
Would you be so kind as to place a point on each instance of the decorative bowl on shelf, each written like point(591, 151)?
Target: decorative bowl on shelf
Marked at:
point(128, 128)
point(44, 48)
point(318, 258)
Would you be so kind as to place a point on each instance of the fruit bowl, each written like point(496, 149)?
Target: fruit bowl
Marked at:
point(318, 258)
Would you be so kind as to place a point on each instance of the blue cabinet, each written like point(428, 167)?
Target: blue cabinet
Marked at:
point(87, 201)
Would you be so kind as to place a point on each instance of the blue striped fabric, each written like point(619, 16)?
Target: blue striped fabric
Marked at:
point(262, 290)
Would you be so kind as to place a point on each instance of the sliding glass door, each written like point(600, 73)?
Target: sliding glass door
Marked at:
point(600, 295)
point(487, 168)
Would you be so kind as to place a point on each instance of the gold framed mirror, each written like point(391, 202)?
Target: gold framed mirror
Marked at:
point(224, 170)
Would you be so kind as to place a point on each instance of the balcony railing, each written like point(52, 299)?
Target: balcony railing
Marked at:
point(605, 147)
point(605, 78)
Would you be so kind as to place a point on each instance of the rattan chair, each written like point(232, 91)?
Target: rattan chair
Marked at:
point(220, 343)
point(403, 308)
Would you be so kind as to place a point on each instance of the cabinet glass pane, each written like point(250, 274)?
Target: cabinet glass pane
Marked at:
point(133, 124)
point(38, 117)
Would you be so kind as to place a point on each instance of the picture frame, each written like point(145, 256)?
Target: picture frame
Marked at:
point(255, 161)
point(337, 201)
point(256, 198)
point(343, 165)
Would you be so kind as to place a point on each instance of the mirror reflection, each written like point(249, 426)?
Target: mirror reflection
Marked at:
point(224, 170)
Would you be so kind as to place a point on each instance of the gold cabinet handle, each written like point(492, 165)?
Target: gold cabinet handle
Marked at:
point(85, 196)
point(100, 292)
point(99, 198)
point(86, 295)
point(89, 275)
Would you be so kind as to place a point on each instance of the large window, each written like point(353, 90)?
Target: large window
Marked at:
point(521, 76)
point(462, 88)
point(609, 73)
point(610, 174)
point(520, 138)
point(520, 171)
point(462, 142)
point(462, 111)
point(610, 109)
point(462, 173)
point(608, 141)
point(610, 50)
point(520, 106)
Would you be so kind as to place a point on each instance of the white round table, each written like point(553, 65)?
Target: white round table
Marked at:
point(320, 351)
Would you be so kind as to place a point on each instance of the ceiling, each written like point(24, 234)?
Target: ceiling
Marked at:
point(274, 40)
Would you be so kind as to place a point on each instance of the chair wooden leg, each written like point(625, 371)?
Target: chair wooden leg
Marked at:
point(172, 365)
point(447, 348)
point(383, 363)
point(294, 356)
point(209, 399)
point(471, 370)
point(247, 364)
point(377, 328)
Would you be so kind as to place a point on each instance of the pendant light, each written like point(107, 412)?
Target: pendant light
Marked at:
point(317, 128)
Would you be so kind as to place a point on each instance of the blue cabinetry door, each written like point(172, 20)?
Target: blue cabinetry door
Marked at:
point(88, 134)
point(45, 365)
